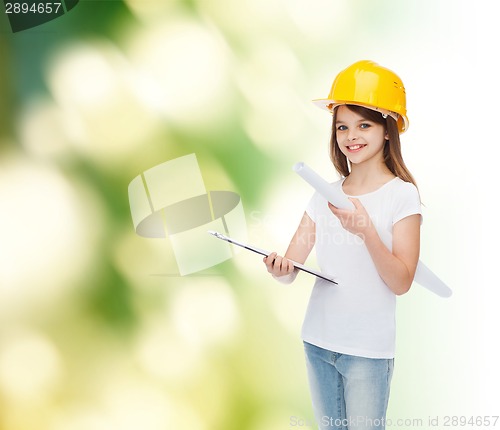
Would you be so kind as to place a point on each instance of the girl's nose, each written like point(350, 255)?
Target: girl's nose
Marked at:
point(352, 135)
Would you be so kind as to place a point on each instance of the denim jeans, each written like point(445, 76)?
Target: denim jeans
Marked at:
point(348, 392)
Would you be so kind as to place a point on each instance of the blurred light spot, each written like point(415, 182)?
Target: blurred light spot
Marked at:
point(205, 312)
point(96, 88)
point(186, 416)
point(165, 356)
point(30, 366)
point(84, 75)
point(273, 124)
point(269, 63)
point(289, 306)
point(185, 67)
point(268, 80)
point(47, 235)
point(285, 193)
point(136, 404)
point(319, 20)
point(81, 418)
point(168, 358)
point(139, 259)
point(45, 129)
point(279, 418)
point(246, 19)
point(151, 10)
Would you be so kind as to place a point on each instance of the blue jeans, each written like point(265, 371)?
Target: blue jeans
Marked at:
point(348, 392)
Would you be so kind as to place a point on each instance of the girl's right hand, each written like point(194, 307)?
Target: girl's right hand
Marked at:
point(278, 266)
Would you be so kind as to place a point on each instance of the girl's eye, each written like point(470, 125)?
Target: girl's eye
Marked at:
point(365, 125)
point(341, 128)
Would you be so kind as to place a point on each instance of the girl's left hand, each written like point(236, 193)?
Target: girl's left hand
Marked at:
point(356, 221)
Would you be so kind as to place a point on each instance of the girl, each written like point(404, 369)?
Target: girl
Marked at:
point(372, 251)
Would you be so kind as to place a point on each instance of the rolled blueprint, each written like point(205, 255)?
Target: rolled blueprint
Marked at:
point(322, 187)
point(423, 275)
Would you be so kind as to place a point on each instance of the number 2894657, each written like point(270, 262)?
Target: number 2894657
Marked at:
point(35, 8)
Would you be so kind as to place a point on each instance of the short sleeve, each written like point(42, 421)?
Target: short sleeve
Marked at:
point(312, 207)
point(407, 202)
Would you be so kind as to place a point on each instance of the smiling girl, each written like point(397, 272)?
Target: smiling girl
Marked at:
point(372, 251)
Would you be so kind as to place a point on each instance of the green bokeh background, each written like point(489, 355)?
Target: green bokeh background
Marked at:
point(97, 331)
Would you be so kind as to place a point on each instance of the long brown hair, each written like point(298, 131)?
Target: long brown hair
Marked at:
point(392, 150)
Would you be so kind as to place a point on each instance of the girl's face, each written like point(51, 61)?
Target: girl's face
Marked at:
point(359, 139)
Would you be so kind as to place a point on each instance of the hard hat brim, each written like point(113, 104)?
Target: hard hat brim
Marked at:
point(329, 105)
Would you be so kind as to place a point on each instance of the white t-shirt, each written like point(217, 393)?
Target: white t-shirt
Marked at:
point(357, 316)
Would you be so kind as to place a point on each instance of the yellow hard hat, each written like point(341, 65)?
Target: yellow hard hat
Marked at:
point(367, 84)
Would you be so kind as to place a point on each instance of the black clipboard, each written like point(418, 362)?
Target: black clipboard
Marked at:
point(266, 253)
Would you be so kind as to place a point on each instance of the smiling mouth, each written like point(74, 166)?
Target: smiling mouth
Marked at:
point(354, 148)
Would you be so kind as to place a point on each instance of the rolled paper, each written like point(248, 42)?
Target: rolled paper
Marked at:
point(423, 275)
point(427, 279)
point(322, 187)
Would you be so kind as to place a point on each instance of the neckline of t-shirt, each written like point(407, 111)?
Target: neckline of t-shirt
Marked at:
point(365, 194)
